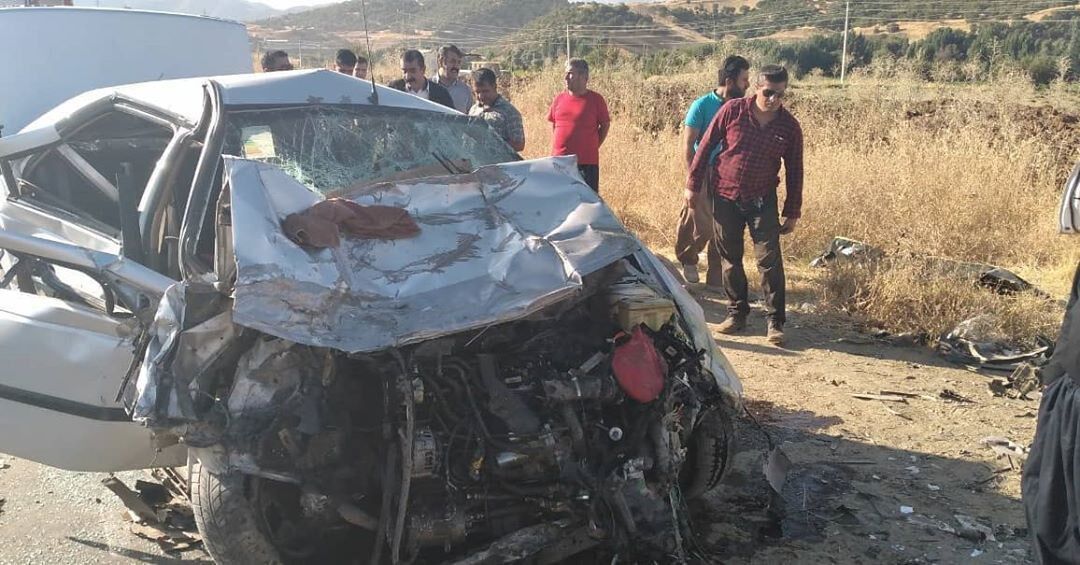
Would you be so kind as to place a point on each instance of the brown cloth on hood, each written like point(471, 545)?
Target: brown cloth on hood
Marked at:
point(322, 224)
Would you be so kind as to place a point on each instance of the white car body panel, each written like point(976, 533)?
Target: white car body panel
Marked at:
point(66, 385)
point(66, 51)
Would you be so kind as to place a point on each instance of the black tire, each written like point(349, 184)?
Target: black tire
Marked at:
point(227, 520)
point(709, 455)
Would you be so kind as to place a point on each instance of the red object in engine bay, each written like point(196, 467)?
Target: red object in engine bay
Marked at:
point(638, 367)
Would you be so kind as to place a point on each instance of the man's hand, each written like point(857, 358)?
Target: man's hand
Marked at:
point(788, 226)
point(691, 198)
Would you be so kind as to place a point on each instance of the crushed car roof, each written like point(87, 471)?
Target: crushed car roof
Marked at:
point(184, 97)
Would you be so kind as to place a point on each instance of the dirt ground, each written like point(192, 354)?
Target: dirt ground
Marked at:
point(870, 482)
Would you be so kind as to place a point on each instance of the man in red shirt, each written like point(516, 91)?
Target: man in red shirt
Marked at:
point(756, 133)
point(580, 121)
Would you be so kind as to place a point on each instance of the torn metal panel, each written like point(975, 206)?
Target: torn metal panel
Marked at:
point(694, 318)
point(191, 332)
point(495, 245)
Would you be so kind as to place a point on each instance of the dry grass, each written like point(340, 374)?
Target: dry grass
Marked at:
point(915, 169)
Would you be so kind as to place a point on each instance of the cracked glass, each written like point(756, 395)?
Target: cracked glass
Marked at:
point(334, 150)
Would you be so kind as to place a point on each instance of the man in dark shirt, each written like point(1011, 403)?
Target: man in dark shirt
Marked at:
point(416, 83)
point(756, 134)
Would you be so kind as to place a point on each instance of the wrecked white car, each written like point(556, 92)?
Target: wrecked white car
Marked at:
point(374, 332)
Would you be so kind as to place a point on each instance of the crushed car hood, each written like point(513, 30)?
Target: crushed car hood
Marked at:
point(495, 245)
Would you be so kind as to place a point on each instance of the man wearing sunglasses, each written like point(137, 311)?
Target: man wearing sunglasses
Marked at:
point(756, 133)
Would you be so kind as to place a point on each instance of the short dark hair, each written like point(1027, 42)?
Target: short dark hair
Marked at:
point(484, 76)
point(345, 58)
point(361, 60)
point(733, 67)
point(413, 56)
point(269, 56)
point(774, 73)
point(448, 49)
point(579, 64)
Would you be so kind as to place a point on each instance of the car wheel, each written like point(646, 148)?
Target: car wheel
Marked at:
point(227, 518)
point(709, 454)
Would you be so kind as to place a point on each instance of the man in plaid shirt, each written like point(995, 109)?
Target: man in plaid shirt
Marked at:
point(756, 133)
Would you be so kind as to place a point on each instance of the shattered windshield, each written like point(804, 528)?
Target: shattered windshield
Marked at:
point(334, 149)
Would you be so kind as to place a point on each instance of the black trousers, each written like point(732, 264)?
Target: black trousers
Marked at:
point(763, 220)
point(591, 174)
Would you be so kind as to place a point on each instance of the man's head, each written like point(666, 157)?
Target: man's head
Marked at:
point(361, 68)
point(413, 68)
point(734, 77)
point(345, 61)
point(276, 61)
point(772, 84)
point(485, 87)
point(450, 58)
point(577, 76)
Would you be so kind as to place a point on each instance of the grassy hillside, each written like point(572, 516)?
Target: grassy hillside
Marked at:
point(486, 18)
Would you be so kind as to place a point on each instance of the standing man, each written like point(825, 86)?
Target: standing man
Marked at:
point(696, 225)
point(580, 122)
point(361, 68)
point(756, 132)
point(273, 61)
point(449, 60)
point(414, 82)
point(345, 61)
point(497, 111)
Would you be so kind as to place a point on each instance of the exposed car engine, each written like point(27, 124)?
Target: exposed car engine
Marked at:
point(540, 438)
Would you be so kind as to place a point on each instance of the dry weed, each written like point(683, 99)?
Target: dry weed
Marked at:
point(912, 167)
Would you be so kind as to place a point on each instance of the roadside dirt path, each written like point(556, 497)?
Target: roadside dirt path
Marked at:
point(871, 481)
point(856, 465)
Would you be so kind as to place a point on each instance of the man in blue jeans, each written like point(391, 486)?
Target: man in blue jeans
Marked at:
point(695, 230)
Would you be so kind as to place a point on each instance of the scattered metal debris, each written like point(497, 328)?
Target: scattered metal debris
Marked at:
point(158, 513)
point(842, 248)
point(976, 342)
point(882, 397)
point(1024, 380)
point(138, 507)
point(953, 396)
point(1004, 447)
point(776, 467)
point(972, 529)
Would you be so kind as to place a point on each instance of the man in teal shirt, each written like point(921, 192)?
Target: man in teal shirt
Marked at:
point(695, 230)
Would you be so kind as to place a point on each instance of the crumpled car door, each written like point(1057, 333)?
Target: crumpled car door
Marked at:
point(68, 339)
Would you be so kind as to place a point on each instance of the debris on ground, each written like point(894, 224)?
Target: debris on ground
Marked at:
point(4, 464)
point(842, 248)
point(776, 467)
point(1024, 380)
point(159, 512)
point(138, 507)
point(953, 396)
point(881, 397)
point(1004, 447)
point(972, 529)
point(991, 277)
point(977, 342)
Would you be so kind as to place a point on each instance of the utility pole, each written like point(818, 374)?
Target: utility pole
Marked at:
point(843, 56)
point(567, 42)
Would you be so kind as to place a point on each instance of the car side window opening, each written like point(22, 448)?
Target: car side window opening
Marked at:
point(80, 176)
